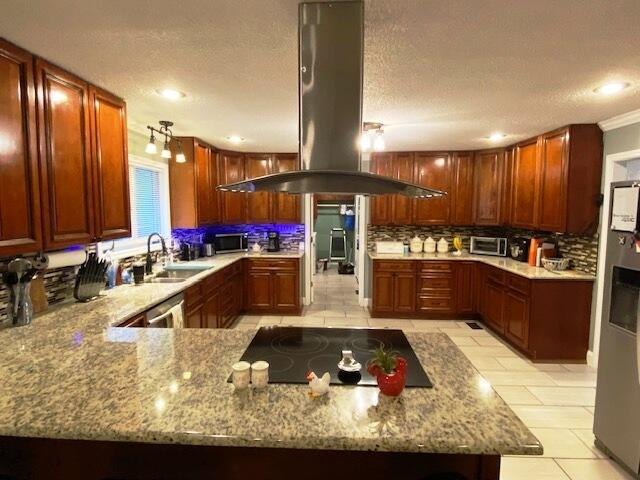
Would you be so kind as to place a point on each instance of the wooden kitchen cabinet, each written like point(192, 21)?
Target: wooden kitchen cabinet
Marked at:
point(259, 204)
point(234, 204)
point(286, 206)
point(488, 180)
point(383, 289)
point(465, 288)
point(516, 314)
point(404, 292)
point(65, 157)
point(462, 188)
point(524, 193)
point(193, 319)
point(494, 306)
point(193, 198)
point(394, 287)
point(401, 205)
point(433, 170)
point(111, 165)
point(272, 285)
point(381, 205)
point(20, 227)
point(436, 286)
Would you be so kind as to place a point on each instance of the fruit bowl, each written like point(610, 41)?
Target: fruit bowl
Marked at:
point(555, 264)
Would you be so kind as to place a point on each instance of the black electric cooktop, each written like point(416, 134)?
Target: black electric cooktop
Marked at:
point(293, 351)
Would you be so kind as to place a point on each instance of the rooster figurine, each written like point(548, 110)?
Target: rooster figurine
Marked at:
point(319, 386)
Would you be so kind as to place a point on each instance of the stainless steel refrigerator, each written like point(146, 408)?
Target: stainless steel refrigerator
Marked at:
point(617, 411)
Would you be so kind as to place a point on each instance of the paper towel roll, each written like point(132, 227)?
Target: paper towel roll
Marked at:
point(62, 259)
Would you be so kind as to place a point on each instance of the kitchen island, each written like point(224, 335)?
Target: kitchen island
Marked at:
point(155, 403)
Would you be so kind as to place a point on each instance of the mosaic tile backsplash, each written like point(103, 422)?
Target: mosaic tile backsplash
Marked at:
point(291, 235)
point(581, 249)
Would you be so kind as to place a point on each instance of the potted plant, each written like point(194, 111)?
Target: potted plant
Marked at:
point(390, 370)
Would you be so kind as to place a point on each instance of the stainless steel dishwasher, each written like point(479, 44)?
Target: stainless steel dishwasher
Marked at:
point(168, 314)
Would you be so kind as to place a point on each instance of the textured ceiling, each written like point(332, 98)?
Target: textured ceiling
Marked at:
point(442, 74)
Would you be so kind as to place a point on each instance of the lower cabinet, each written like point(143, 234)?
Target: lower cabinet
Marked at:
point(532, 315)
point(193, 317)
point(272, 286)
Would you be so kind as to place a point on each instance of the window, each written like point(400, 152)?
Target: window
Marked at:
point(149, 193)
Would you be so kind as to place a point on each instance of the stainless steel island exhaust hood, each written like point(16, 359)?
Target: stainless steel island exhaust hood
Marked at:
point(331, 43)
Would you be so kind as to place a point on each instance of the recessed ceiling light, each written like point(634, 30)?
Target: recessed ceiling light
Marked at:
point(611, 88)
point(235, 139)
point(170, 93)
point(496, 136)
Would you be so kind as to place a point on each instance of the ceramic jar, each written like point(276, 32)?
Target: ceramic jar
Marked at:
point(415, 245)
point(443, 246)
point(429, 245)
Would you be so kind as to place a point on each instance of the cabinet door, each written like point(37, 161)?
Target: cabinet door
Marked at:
point(433, 171)
point(234, 204)
point(488, 187)
point(286, 206)
point(258, 290)
point(524, 183)
point(285, 289)
point(213, 183)
point(462, 189)
point(505, 208)
point(516, 314)
point(111, 165)
point(465, 287)
point(381, 205)
point(193, 317)
point(552, 205)
point(494, 306)
point(382, 297)
point(204, 186)
point(210, 311)
point(258, 203)
point(19, 194)
point(401, 205)
point(65, 158)
point(404, 292)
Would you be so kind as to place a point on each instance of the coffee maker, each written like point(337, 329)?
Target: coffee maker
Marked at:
point(273, 244)
point(519, 248)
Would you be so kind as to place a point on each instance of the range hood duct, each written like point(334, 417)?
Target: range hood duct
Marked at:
point(331, 44)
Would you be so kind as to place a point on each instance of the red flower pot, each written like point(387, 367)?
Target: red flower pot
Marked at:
point(391, 384)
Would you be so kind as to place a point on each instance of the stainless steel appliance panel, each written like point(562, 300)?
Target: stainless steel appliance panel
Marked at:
point(231, 242)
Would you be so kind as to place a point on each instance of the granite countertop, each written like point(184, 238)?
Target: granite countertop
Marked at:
point(169, 386)
point(508, 264)
point(125, 301)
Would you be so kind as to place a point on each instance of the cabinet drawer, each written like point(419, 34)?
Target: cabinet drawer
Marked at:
point(193, 295)
point(519, 284)
point(435, 267)
point(435, 304)
point(435, 282)
point(496, 275)
point(211, 283)
point(394, 266)
point(273, 264)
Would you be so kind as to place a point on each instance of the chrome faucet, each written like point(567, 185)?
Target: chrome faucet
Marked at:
point(148, 269)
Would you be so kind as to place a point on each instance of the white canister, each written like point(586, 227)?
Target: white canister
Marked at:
point(260, 374)
point(429, 245)
point(241, 374)
point(415, 245)
point(443, 246)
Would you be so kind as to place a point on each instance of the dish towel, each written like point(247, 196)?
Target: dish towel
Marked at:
point(177, 316)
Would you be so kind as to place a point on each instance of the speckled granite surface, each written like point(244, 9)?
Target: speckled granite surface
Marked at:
point(169, 386)
point(121, 303)
point(507, 264)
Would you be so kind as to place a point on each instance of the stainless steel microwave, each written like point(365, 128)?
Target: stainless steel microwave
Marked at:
point(489, 246)
point(231, 242)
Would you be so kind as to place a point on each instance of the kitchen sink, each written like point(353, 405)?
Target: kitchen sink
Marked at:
point(173, 276)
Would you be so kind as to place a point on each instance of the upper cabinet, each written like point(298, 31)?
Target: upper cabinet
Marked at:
point(433, 170)
point(259, 204)
point(19, 195)
point(67, 180)
point(286, 206)
point(194, 201)
point(462, 188)
point(488, 188)
point(401, 205)
point(65, 157)
point(381, 205)
point(111, 165)
point(524, 185)
point(234, 204)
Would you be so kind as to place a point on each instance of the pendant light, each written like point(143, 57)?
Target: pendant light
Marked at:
point(165, 153)
point(165, 130)
point(151, 146)
point(372, 137)
point(378, 142)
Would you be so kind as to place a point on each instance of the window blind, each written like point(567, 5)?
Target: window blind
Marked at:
point(146, 211)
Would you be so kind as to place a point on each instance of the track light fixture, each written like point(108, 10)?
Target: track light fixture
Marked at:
point(372, 136)
point(168, 136)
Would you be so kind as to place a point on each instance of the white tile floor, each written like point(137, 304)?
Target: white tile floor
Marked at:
point(555, 401)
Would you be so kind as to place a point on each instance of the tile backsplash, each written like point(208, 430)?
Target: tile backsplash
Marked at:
point(581, 249)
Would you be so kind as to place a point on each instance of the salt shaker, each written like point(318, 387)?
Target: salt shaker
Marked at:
point(260, 374)
point(241, 374)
